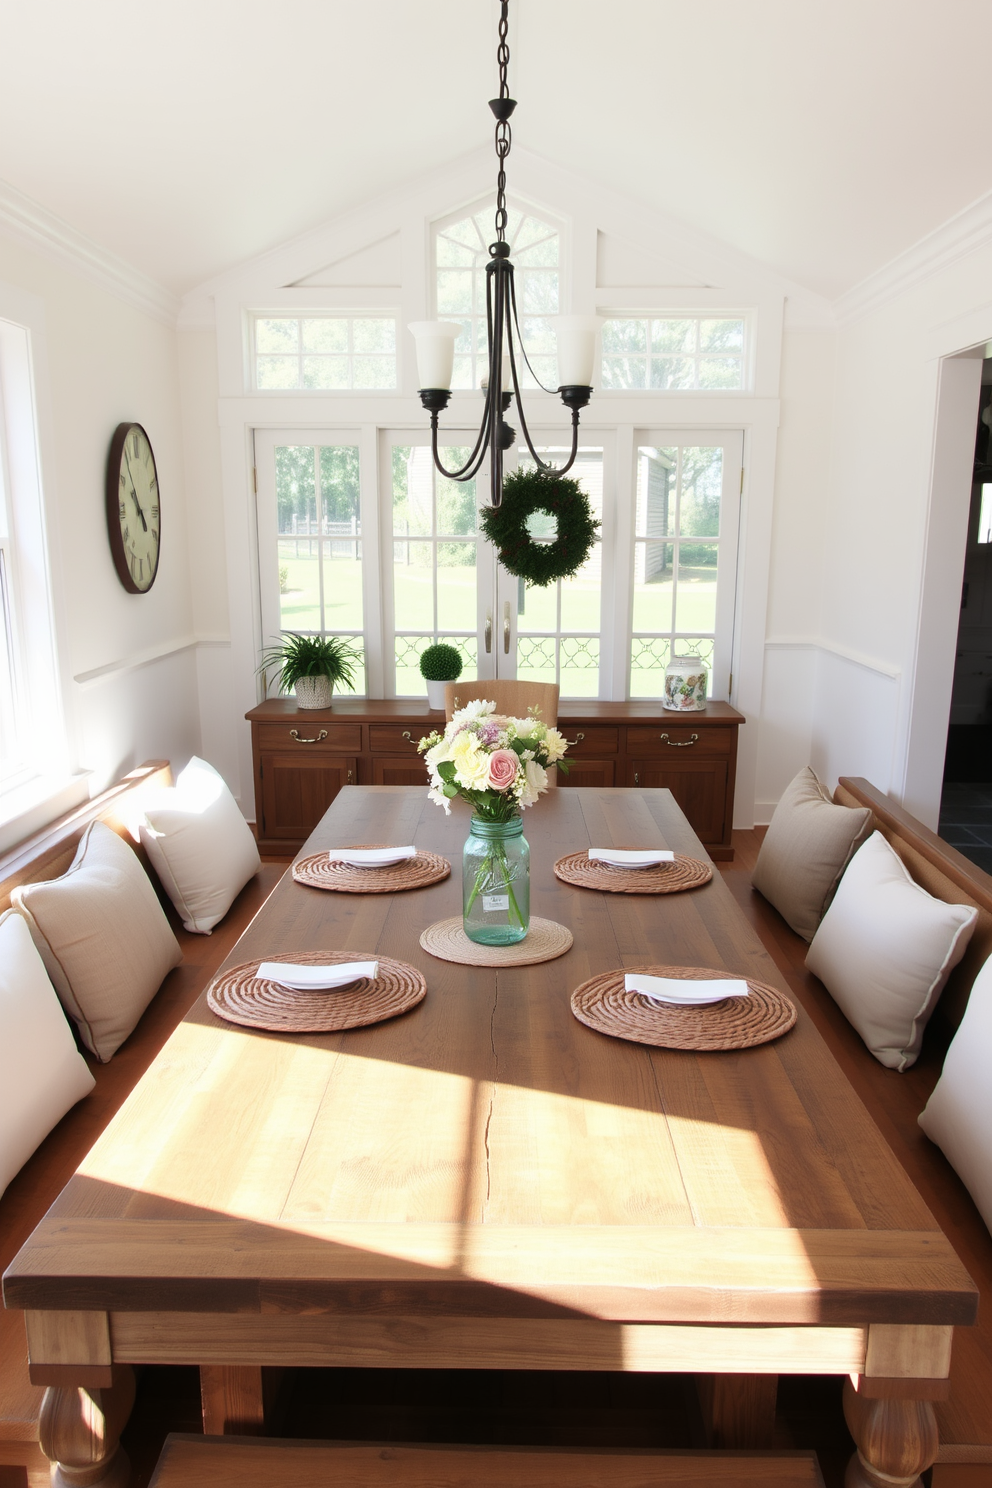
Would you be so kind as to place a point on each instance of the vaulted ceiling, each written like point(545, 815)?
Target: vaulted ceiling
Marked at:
point(190, 135)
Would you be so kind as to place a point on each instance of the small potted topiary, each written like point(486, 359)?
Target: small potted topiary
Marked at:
point(312, 666)
point(439, 664)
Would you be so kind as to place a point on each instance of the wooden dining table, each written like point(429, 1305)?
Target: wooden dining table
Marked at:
point(485, 1182)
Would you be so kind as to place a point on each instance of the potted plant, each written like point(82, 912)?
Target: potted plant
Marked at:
point(311, 666)
point(439, 664)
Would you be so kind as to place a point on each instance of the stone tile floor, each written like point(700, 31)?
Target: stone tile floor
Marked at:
point(966, 820)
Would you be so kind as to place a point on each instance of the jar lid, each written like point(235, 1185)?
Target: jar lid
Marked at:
point(686, 661)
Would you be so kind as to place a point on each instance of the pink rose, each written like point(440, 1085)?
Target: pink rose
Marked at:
point(503, 764)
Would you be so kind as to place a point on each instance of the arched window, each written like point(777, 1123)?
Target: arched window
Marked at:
point(461, 253)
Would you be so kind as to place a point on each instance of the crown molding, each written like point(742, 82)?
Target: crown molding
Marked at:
point(30, 223)
point(960, 235)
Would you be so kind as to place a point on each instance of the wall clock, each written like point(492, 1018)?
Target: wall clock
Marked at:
point(133, 513)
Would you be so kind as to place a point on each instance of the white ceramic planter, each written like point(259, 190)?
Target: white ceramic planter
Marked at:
point(685, 685)
point(435, 694)
point(313, 692)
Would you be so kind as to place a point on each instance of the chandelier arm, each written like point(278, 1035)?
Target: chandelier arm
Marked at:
point(523, 349)
point(542, 464)
point(475, 459)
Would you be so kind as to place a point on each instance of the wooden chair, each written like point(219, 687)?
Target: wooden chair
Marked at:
point(513, 698)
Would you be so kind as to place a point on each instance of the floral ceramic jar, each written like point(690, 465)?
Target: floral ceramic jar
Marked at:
point(685, 685)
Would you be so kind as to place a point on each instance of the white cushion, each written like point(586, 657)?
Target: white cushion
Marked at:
point(199, 844)
point(809, 842)
point(958, 1115)
point(884, 950)
point(42, 1073)
point(103, 937)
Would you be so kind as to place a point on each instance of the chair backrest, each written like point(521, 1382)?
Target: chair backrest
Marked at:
point(512, 698)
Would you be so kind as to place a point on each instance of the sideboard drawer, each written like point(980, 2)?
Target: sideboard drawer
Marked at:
point(342, 738)
point(662, 740)
point(590, 740)
point(391, 738)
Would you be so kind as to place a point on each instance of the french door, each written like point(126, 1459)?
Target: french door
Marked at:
point(360, 536)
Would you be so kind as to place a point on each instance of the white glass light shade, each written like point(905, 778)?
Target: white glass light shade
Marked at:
point(435, 351)
point(576, 348)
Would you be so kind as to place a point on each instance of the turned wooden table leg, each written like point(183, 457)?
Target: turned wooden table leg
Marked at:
point(896, 1439)
point(80, 1430)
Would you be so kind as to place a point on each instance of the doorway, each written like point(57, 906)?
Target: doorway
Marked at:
point(966, 796)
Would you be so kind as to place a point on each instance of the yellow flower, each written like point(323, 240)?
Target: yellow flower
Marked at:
point(471, 762)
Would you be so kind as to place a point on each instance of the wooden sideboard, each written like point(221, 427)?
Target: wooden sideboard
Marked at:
point(302, 758)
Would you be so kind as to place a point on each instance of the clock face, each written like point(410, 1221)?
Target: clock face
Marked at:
point(133, 520)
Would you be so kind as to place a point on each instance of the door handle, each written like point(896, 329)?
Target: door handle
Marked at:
point(489, 631)
point(506, 628)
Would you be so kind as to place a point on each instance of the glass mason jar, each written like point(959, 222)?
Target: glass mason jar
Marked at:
point(496, 882)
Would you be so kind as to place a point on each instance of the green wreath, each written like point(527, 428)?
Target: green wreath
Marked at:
point(540, 563)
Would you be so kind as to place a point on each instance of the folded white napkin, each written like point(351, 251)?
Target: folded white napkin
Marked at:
point(370, 857)
point(316, 978)
point(624, 857)
point(679, 990)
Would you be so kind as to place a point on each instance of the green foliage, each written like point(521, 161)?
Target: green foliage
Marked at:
point(284, 578)
point(563, 499)
point(440, 663)
point(299, 656)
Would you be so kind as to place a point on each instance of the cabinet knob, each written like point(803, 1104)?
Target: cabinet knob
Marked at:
point(408, 736)
point(637, 778)
point(679, 743)
point(294, 735)
point(349, 777)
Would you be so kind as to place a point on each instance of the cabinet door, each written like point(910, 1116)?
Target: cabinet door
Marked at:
point(297, 789)
point(594, 773)
point(698, 785)
point(399, 772)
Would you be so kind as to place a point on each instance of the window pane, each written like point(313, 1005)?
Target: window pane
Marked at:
point(671, 372)
point(673, 335)
point(374, 372)
point(536, 658)
point(673, 354)
point(721, 335)
point(625, 335)
point(342, 584)
point(299, 585)
point(275, 372)
point(648, 660)
point(325, 335)
point(653, 585)
point(339, 485)
point(457, 501)
point(413, 490)
point(277, 335)
point(702, 488)
point(328, 372)
point(408, 650)
point(537, 609)
point(720, 372)
point(580, 666)
point(374, 335)
point(695, 605)
point(413, 586)
point(456, 583)
point(656, 491)
point(622, 373)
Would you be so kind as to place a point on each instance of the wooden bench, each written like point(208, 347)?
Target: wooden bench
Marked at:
point(895, 1100)
point(46, 855)
point(250, 1462)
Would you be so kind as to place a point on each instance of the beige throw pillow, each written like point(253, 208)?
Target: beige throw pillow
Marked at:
point(103, 937)
point(807, 847)
point(884, 950)
point(199, 844)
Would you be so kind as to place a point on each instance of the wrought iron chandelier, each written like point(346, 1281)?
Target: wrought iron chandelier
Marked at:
point(436, 338)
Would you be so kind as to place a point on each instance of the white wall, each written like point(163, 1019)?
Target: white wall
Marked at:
point(128, 662)
point(887, 524)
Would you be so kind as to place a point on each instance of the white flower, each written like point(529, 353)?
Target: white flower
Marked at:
point(535, 782)
point(436, 794)
point(477, 708)
point(556, 745)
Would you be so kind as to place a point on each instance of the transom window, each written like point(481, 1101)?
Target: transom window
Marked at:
point(327, 353)
point(692, 353)
point(462, 253)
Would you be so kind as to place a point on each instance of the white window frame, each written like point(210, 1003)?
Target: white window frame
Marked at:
point(676, 312)
point(324, 313)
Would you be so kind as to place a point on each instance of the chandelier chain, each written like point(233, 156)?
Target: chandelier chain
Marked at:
point(503, 134)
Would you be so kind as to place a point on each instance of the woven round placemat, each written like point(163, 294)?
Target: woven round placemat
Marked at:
point(317, 872)
point(543, 942)
point(665, 878)
point(239, 996)
point(736, 1023)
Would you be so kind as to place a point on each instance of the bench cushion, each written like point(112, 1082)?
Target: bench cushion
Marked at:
point(884, 950)
point(809, 843)
point(103, 937)
point(199, 844)
point(42, 1073)
point(958, 1115)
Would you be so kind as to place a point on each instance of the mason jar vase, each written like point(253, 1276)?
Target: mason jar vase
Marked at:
point(496, 882)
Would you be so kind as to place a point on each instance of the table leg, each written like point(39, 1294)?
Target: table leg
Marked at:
point(79, 1432)
point(896, 1439)
point(738, 1409)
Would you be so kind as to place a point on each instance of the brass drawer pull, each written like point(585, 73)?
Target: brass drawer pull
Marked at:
point(294, 735)
point(408, 736)
point(577, 740)
point(679, 744)
point(349, 777)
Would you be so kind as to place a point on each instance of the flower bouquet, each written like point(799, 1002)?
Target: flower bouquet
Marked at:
point(500, 766)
